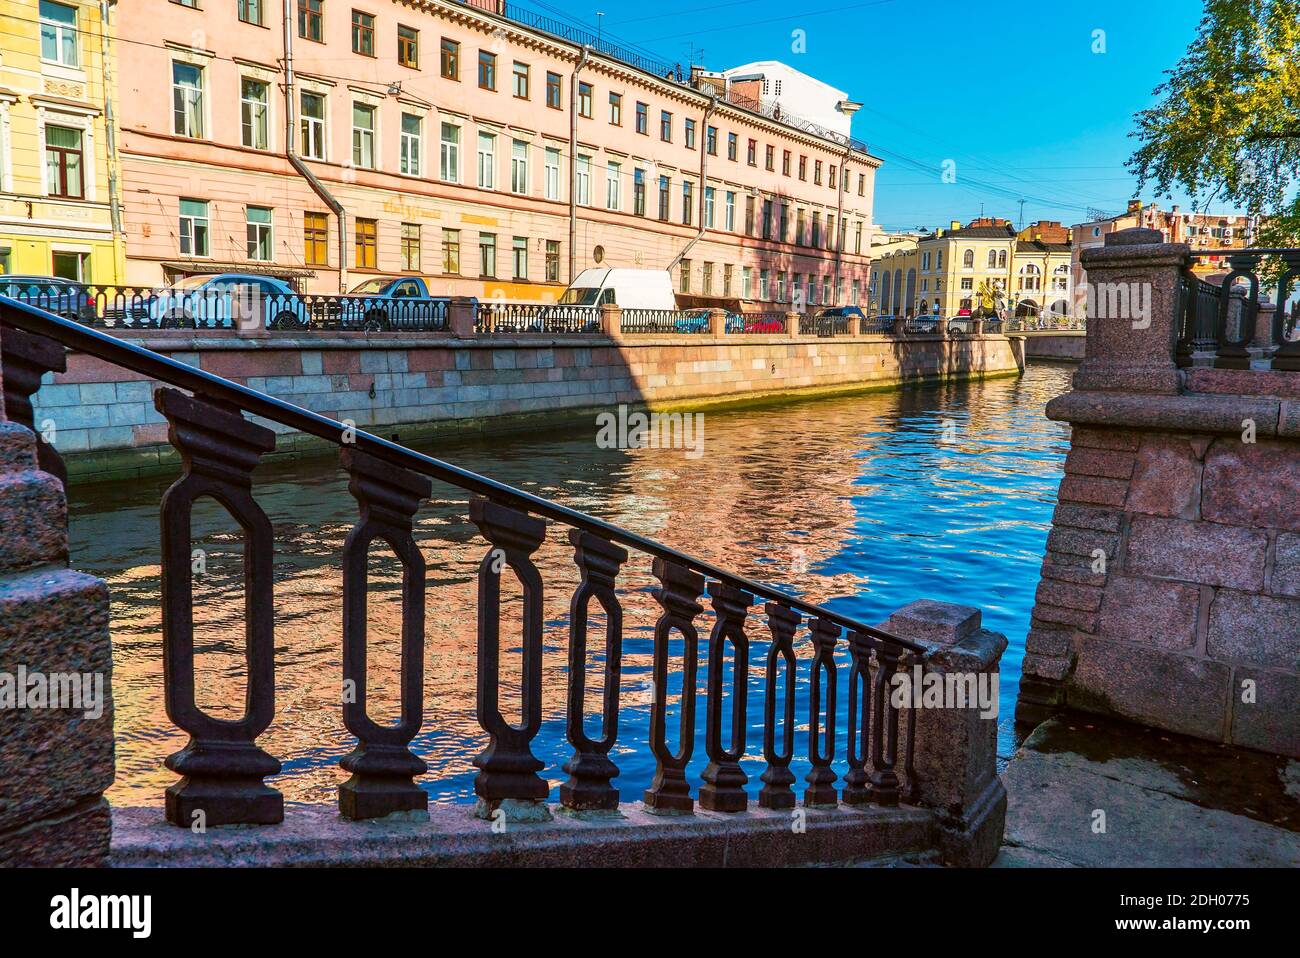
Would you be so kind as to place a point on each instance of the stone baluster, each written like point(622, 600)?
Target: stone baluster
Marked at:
point(1237, 310)
point(859, 716)
point(382, 765)
point(27, 358)
point(777, 777)
point(724, 780)
point(1287, 356)
point(678, 595)
point(507, 777)
point(884, 727)
point(590, 769)
point(221, 766)
point(820, 792)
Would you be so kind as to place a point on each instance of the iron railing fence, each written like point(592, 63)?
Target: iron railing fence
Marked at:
point(767, 322)
point(922, 324)
point(1218, 323)
point(501, 318)
point(222, 768)
point(810, 325)
point(876, 324)
point(228, 306)
point(665, 321)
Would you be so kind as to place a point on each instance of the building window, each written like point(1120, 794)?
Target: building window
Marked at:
point(363, 136)
point(408, 47)
point(311, 16)
point(73, 266)
point(519, 257)
point(751, 153)
point(487, 70)
point(817, 172)
point(449, 159)
point(250, 11)
point(803, 167)
point(798, 227)
point(769, 158)
point(254, 99)
point(729, 223)
point(663, 197)
point(665, 126)
point(764, 283)
point(582, 170)
point(412, 139)
point(187, 99)
point(64, 172)
point(862, 184)
point(857, 238)
point(519, 80)
point(554, 91)
point(411, 247)
point(826, 288)
point(451, 251)
point(642, 118)
point(363, 33)
point(968, 259)
point(711, 140)
point(816, 239)
point(830, 176)
point(487, 255)
point(785, 162)
point(690, 134)
point(584, 99)
point(312, 123)
point(780, 286)
point(967, 282)
point(487, 161)
point(727, 271)
point(194, 228)
point(614, 186)
point(315, 239)
point(616, 109)
point(257, 225)
point(783, 222)
point(732, 145)
point(552, 261)
point(58, 33)
point(767, 219)
point(449, 59)
point(518, 166)
point(688, 204)
point(708, 206)
point(746, 281)
point(706, 279)
point(638, 192)
point(552, 173)
point(749, 215)
point(365, 241)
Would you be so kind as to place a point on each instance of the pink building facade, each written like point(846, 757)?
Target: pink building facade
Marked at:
point(442, 132)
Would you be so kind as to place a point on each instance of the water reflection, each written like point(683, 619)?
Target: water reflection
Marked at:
point(864, 503)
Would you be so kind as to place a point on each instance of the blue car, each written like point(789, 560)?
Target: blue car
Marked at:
point(227, 300)
point(697, 321)
point(63, 297)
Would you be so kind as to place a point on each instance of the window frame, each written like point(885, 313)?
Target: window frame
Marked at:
point(408, 47)
point(363, 33)
point(59, 36)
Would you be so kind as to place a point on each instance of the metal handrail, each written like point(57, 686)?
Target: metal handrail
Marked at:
point(148, 363)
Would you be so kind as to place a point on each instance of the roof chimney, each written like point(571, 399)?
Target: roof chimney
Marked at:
point(954, 225)
point(1134, 205)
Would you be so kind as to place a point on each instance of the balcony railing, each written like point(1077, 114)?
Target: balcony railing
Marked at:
point(222, 769)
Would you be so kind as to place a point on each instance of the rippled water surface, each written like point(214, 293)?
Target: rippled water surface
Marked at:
point(863, 503)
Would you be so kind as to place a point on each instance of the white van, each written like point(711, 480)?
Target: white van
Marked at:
point(628, 288)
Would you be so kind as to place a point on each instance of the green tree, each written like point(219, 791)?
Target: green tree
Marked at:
point(1227, 126)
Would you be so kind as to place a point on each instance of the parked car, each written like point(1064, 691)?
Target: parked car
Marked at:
point(63, 297)
point(384, 303)
point(831, 319)
point(763, 324)
point(697, 321)
point(226, 300)
point(628, 288)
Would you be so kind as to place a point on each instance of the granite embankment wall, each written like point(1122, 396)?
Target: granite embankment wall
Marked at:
point(1066, 345)
point(103, 422)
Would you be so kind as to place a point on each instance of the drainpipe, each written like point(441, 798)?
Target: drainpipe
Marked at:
point(704, 159)
point(110, 143)
point(573, 161)
point(848, 108)
point(291, 153)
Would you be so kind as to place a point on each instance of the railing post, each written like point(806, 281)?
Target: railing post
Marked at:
point(792, 329)
point(382, 764)
point(507, 767)
point(777, 777)
point(221, 766)
point(820, 792)
point(590, 769)
point(611, 320)
point(717, 322)
point(859, 716)
point(884, 728)
point(55, 763)
point(724, 780)
point(462, 315)
point(954, 749)
point(899, 327)
point(677, 595)
point(27, 358)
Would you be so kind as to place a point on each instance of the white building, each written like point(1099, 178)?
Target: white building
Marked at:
point(796, 94)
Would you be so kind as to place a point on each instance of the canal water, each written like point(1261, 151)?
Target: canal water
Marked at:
point(863, 503)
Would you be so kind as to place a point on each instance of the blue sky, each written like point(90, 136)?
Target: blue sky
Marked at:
point(1052, 128)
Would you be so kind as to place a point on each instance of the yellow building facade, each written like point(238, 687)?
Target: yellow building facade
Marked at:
point(56, 187)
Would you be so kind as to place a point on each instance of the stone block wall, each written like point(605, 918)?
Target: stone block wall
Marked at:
point(1170, 591)
point(104, 423)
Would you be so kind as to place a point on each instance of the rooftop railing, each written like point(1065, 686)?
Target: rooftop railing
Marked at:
point(223, 769)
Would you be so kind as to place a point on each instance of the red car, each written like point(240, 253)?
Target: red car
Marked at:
point(764, 324)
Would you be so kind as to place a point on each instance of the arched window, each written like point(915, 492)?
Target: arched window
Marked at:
point(968, 259)
point(1002, 259)
point(1029, 276)
point(993, 259)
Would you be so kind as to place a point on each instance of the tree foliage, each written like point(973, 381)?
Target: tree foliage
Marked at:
point(1227, 125)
